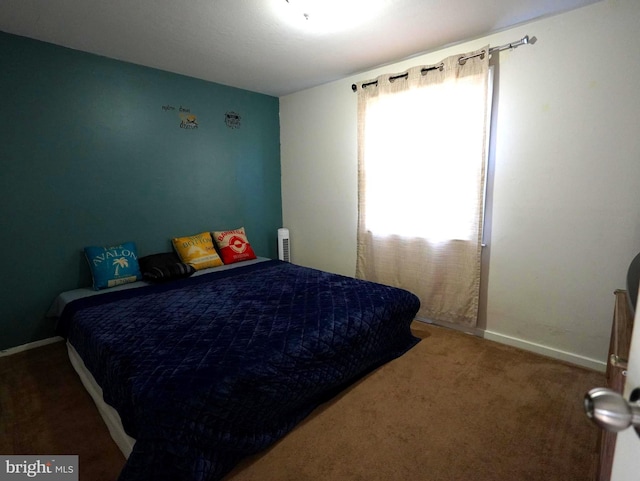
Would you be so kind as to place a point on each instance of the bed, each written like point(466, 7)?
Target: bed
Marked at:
point(203, 371)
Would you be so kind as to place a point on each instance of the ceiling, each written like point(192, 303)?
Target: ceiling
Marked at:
point(267, 46)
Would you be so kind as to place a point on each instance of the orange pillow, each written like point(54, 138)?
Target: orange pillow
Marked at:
point(197, 251)
point(234, 246)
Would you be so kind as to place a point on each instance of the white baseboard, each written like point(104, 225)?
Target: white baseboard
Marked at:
point(30, 345)
point(526, 345)
point(450, 325)
point(546, 351)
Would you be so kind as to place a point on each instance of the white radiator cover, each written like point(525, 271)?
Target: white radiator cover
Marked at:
point(284, 247)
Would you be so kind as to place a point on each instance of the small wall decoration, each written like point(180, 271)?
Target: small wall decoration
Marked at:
point(187, 119)
point(232, 119)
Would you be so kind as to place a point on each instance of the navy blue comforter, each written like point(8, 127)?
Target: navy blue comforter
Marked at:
point(207, 370)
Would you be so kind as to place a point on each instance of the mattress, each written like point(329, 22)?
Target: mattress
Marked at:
point(109, 415)
point(204, 371)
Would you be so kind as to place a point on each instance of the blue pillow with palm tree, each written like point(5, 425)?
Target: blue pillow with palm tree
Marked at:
point(114, 265)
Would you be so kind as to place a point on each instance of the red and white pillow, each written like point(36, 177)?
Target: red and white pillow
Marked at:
point(233, 245)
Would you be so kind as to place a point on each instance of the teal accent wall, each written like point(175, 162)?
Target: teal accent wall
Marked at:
point(91, 153)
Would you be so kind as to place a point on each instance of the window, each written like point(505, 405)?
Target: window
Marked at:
point(422, 163)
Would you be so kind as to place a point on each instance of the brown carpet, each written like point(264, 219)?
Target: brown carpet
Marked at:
point(44, 409)
point(454, 408)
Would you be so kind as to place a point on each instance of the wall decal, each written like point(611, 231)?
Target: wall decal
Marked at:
point(187, 119)
point(232, 119)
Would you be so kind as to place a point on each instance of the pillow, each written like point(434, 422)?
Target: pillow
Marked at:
point(234, 246)
point(197, 251)
point(162, 267)
point(114, 265)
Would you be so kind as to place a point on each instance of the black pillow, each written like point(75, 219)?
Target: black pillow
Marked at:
point(163, 267)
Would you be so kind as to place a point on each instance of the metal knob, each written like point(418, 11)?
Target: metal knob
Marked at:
point(609, 410)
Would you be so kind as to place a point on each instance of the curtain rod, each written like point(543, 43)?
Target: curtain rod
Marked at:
point(523, 41)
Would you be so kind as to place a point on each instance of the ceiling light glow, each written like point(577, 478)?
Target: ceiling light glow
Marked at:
point(327, 16)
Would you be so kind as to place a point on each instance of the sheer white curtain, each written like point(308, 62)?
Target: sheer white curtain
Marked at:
point(422, 140)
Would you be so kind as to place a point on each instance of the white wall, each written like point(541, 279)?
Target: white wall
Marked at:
point(565, 216)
